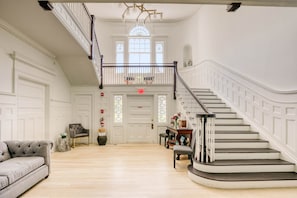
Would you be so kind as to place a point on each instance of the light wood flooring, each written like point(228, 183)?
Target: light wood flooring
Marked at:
point(132, 171)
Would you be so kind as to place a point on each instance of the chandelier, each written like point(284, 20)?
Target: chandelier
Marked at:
point(142, 12)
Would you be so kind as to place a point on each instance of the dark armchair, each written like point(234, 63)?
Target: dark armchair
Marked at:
point(78, 131)
point(185, 150)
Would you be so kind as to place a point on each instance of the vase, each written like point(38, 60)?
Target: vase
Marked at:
point(102, 139)
point(176, 124)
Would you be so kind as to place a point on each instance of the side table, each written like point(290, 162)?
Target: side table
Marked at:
point(63, 145)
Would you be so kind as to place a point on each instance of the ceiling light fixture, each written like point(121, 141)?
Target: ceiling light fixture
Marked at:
point(143, 12)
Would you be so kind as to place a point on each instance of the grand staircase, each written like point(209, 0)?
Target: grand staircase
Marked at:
point(243, 160)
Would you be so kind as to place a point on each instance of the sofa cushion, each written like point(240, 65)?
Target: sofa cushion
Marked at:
point(16, 168)
point(4, 153)
point(3, 182)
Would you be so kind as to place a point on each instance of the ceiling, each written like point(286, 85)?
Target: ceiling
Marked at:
point(114, 11)
point(286, 3)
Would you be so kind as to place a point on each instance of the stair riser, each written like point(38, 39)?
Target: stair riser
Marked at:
point(228, 121)
point(243, 168)
point(226, 115)
point(242, 145)
point(207, 97)
point(201, 93)
point(214, 109)
point(236, 136)
point(210, 101)
point(235, 156)
point(215, 105)
point(232, 128)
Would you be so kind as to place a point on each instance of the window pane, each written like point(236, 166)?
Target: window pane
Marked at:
point(139, 31)
point(162, 109)
point(159, 48)
point(118, 109)
point(119, 56)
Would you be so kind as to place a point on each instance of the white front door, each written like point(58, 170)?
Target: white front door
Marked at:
point(140, 119)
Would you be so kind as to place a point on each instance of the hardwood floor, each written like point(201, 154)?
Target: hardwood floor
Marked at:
point(130, 170)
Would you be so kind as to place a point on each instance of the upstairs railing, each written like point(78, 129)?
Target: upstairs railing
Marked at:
point(138, 74)
point(200, 119)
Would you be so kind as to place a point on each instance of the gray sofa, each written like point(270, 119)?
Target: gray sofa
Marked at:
point(22, 165)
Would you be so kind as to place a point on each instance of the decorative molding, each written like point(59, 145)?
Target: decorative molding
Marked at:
point(26, 60)
point(244, 77)
point(70, 24)
point(60, 101)
point(5, 26)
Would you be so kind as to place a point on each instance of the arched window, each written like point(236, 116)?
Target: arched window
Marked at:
point(139, 46)
point(139, 31)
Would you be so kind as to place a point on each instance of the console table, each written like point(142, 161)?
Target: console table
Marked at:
point(176, 134)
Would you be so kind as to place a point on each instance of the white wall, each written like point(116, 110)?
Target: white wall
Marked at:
point(46, 101)
point(249, 59)
point(258, 42)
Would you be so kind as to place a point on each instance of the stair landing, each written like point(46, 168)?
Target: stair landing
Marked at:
point(243, 180)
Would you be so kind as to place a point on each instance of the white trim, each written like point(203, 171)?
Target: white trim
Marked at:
point(218, 65)
point(243, 168)
point(26, 60)
point(242, 184)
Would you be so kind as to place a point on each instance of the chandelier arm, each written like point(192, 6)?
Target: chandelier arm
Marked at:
point(142, 10)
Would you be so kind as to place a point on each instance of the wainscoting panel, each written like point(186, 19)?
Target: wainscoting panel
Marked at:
point(7, 121)
point(31, 114)
point(118, 135)
point(60, 117)
point(271, 112)
point(82, 106)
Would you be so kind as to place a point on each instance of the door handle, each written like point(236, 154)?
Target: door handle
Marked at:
point(152, 126)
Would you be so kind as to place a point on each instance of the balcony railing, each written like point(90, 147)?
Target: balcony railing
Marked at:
point(78, 21)
point(138, 74)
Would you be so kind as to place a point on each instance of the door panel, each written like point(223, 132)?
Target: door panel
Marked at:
point(82, 111)
point(140, 119)
point(31, 110)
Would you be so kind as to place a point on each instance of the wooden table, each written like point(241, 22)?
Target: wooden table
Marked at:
point(176, 135)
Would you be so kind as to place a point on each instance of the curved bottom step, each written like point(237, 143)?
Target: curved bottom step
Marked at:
point(243, 180)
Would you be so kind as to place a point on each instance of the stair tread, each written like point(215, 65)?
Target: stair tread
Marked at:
point(240, 140)
point(245, 150)
point(227, 112)
point(235, 177)
point(249, 162)
point(219, 107)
